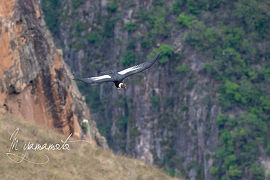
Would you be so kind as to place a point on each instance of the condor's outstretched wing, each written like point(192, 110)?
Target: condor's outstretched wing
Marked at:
point(97, 79)
point(138, 68)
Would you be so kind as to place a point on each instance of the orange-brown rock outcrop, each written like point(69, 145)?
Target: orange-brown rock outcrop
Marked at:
point(35, 83)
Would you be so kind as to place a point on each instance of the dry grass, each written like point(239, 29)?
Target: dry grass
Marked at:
point(83, 161)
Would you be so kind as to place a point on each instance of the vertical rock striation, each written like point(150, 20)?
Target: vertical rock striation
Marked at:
point(164, 117)
point(201, 112)
point(35, 83)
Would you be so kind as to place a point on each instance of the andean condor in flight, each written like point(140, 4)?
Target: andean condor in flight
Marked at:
point(118, 77)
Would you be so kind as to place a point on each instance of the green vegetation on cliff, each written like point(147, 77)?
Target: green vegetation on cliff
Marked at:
point(233, 37)
point(237, 43)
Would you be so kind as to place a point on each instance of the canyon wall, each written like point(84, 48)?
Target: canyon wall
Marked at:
point(164, 117)
point(203, 110)
point(36, 84)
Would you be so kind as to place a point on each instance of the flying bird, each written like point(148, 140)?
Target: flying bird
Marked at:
point(118, 77)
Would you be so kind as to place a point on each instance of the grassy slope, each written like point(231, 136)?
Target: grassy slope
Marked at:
point(83, 161)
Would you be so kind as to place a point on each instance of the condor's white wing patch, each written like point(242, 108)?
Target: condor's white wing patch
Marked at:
point(128, 70)
point(100, 77)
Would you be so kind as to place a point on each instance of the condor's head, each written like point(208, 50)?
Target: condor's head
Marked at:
point(122, 85)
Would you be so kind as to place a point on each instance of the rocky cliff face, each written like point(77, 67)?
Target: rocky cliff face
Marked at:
point(168, 115)
point(35, 82)
point(165, 117)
